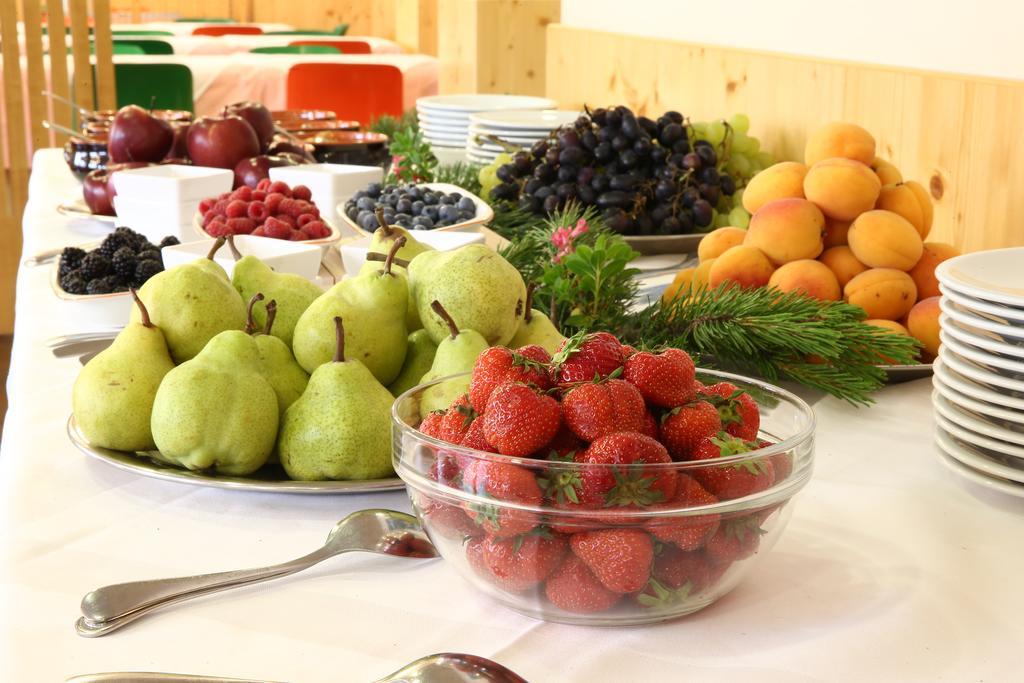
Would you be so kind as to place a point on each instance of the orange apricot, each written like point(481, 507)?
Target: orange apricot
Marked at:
point(716, 242)
point(782, 180)
point(884, 293)
point(923, 272)
point(883, 239)
point(744, 265)
point(835, 232)
point(887, 173)
point(843, 264)
point(680, 285)
point(903, 200)
point(923, 324)
point(811, 277)
point(787, 230)
point(839, 139)
point(842, 188)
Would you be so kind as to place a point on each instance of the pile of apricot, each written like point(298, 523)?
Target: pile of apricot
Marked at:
point(843, 225)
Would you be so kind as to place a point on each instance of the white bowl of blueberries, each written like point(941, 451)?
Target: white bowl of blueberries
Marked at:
point(427, 206)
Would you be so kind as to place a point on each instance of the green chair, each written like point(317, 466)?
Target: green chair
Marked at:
point(148, 47)
point(169, 84)
point(119, 49)
point(133, 32)
point(297, 50)
point(205, 20)
point(340, 29)
point(300, 32)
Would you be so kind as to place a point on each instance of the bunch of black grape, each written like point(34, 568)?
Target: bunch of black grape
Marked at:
point(647, 177)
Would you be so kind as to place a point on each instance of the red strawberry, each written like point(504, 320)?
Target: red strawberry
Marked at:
point(688, 532)
point(498, 365)
point(586, 357)
point(448, 520)
point(447, 468)
point(574, 588)
point(736, 479)
point(474, 437)
point(684, 427)
point(524, 561)
point(535, 353)
point(736, 539)
point(665, 379)
point(501, 481)
point(520, 421)
point(627, 350)
point(676, 576)
point(626, 486)
point(563, 446)
point(595, 409)
point(456, 420)
point(431, 424)
point(619, 558)
point(737, 410)
point(649, 426)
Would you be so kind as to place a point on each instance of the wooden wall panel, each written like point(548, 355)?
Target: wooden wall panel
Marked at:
point(960, 136)
point(416, 26)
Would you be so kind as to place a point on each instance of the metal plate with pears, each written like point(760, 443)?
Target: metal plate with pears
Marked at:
point(269, 479)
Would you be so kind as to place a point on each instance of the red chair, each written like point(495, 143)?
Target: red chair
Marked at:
point(227, 30)
point(346, 47)
point(360, 92)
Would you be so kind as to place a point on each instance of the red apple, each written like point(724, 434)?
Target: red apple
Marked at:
point(99, 192)
point(137, 135)
point(221, 141)
point(179, 148)
point(282, 144)
point(258, 117)
point(254, 169)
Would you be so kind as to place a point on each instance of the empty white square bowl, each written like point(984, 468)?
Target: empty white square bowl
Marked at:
point(353, 254)
point(282, 256)
point(157, 219)
point(330, 184)
point(172, 183)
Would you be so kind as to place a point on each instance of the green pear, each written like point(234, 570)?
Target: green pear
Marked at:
point(418, 360)
point(293, 293)
point(480, 289)
point(375, 306)
point(536, 328)
point(191, 304)
point(385, 236)
point(286, 377)
point(217, 411)
point(113, 394)
point(340, 428)
point(456, 354)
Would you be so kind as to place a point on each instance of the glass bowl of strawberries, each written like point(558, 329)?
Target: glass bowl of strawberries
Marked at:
point(602, 486)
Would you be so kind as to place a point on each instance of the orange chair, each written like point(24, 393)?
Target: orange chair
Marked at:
point(227, 30)
point(346, 47)
point(360, 92)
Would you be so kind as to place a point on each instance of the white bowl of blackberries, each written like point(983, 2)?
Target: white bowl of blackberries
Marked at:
point(123, 259)
point(429, 206)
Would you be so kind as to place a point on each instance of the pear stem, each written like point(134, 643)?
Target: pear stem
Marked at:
point(453, 329)
point(377, 256)
point(152, 103)
point(384, 227)
point(398, 244)
point(528, 313)
point(250, 325)
point(234, 250)
point(339, 333)
point(142, 308)
point(216, 247)
point(271, 314)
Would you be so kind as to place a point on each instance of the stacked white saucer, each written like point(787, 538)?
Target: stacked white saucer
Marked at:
point(519, 127)
point(444, 119)
point(979, 374)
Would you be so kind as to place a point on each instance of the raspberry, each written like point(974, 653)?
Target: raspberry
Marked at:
point(297, 208)
point(220, 208)
point(224, 196)
point(274, 200)
point(241, 226)
point(287, 206)
point(244, 193)
point(302, 192)
point(205, 205)
point(274, 227)
point(263, 184)
point(316, 229)
point(258, 195)
point(298, 236)
point(304, 218)
point(258, 211)
point(217, 228)
point(278, 186)
point(286, 219)
point(259, 232)
point(236, 208)
point(209, 217)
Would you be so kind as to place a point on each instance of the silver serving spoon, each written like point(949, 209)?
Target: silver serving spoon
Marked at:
point(445, 667)
point(377, 531)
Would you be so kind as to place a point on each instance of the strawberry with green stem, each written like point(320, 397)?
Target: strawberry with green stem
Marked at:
point(456, 420)
point(736, 539)
point(520, 421)
point(665, 379)
point(675, 577)
point(504, 482)
point(585, 358)
point(686, 532)
point(621, 480)
point(572, 587)
point(595, 409)
point(620, 558)
point(685, 426)
point(734, 479)
point(737, 410)
point(498, 365)
point(518, 563)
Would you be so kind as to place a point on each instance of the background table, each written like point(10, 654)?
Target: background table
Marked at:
point(185, 28)
point(891, 569)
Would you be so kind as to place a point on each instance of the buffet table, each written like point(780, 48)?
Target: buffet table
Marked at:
point(891, 568)
point(185, 28)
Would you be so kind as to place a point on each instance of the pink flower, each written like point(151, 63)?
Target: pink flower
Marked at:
point(563, 238)
point(581, 228)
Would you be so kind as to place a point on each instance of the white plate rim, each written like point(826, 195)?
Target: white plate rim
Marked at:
point(975, 439)
point(960, 469)
point(983, 429)
point(960, 399)
point(483, 102)
point(970, 303)
point(77, 208)
point(969, 387)
point(978, 374)
point(968, 337)
point(976, 461)
point(953, 310)
point(506, 118)
point(965, 350)
point(950, 272)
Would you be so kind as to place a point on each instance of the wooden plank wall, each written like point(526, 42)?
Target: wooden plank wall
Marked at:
point(960, 136)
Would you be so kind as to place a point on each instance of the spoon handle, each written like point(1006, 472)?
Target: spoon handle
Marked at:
point(126, 602)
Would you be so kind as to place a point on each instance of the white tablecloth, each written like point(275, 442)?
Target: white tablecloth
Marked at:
point(891, 569)
point(221, 45)
point(185, 28)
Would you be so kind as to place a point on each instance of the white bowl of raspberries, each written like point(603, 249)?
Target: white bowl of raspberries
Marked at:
point(602, 485)
point(272, 209)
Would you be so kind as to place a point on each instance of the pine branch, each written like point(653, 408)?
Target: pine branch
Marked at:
point(463, 174)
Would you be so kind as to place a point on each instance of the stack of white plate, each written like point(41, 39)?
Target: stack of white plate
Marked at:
point(979, 375)
point(519, 127)
point(444, 119)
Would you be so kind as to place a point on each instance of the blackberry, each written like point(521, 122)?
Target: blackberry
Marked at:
point(72, 283)
point(150, 254)
point(94, 265)
point(70, 259)
point(112, 243)
point(102, 285)
point(169, 241)
point(146, 269)
point(124, 263)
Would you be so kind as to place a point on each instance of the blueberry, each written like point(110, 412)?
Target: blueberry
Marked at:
point(466, 215)
point(417, 207)
point(422, 222)
point(430, 199)
point(368, 222)
point(455, 196)
point(413, 193)
point(391, 188)
point(399, 217)
point(362, 215)
point(446, 200)
point(431, 213)
point(466, 204)
point(366, 203)
point(448, 213)
point(403, 206)
point(405, 222)
point(373, 190)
